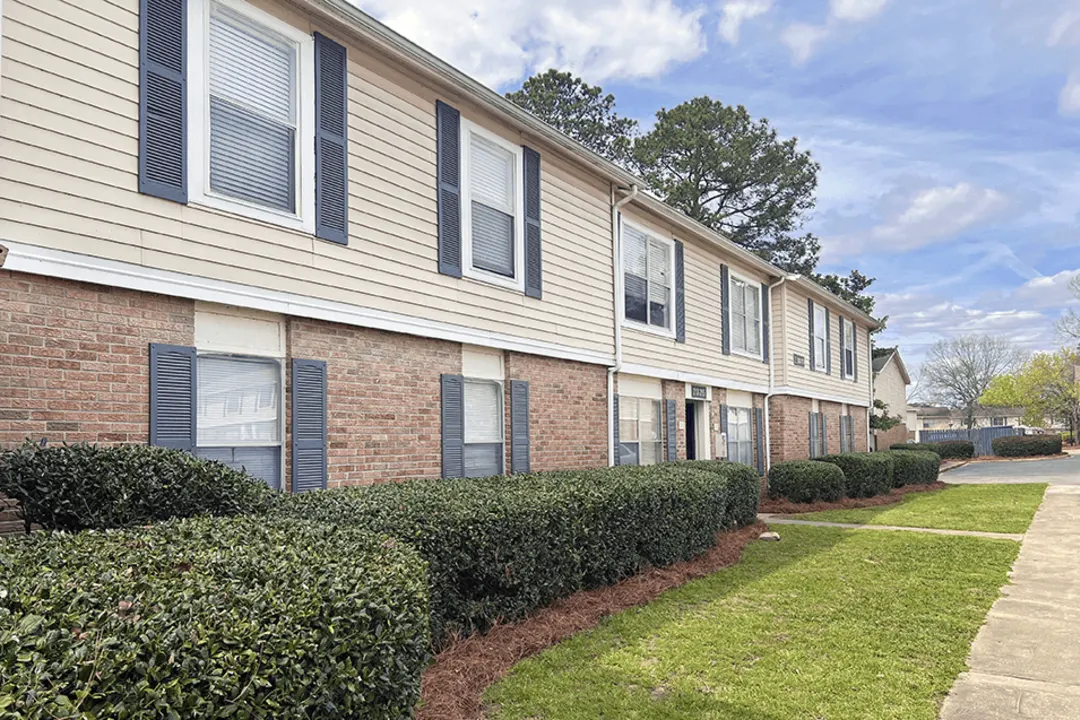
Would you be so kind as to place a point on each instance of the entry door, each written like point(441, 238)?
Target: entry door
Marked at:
point(691, 431)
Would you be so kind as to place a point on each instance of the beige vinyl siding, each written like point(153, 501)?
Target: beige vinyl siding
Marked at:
point(795, 330)
point(68, 181)
point(702, 353)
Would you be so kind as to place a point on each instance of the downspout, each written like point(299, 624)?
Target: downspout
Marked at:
point(772, 370)
point(617, 281)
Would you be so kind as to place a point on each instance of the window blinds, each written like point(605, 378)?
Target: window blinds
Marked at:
point(239, 401)
point(491, 182)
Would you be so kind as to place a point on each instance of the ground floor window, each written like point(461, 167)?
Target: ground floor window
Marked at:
point(483, 428)
point(239, 414)
point(740, 435)
point(640, 423)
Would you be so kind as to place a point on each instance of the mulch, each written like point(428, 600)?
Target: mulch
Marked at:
point(453, 687)
point(785, 507)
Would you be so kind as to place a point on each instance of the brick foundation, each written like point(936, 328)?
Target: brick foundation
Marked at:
point(898, 434)
point(788, 427)
point(858, 415)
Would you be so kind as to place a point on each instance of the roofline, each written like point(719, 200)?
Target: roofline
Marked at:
point(397, 46)
point(895, 353)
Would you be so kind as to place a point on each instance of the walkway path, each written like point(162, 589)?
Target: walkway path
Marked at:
point(777, 520)
point(1025, 663)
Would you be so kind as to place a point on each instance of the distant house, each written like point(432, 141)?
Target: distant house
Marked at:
point(930, 417)
point(891, 380)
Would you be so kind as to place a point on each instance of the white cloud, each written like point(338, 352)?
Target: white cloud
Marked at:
point(1069, 99)
point(500, 41)
point(1049, 291)
point(736, 12)
point(856, 10)
point(802, 39)
point(1065, 30)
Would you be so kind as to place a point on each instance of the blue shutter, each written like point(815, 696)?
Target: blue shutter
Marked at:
point(680, 293)
point(173, 382)
point(309, 467)
point(766, 321)
point(828, 343)
point(672, 435)
point(824, 434)
point(615, 427)
point(331, 141)
point(519, 427)
point(759, 439)
point(453, 426)
point(851, 431)
point(855, 349)
point(724, 429)
point(813, 354)
point(843, 363)
point(448, 170)
point(163, 99)
point(534, 276)
point(812, 422)
point(725, 302)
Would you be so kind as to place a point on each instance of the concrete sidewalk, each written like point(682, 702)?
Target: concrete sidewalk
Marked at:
point(1025, 662)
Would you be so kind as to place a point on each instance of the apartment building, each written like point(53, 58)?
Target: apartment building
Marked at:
point(277, 234)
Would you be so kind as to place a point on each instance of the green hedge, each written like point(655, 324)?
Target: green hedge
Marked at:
point(806, 481)
point(865, 474)
point(76, 487)
point(947, 450)
point(744, 487)
point(211, 618)
point(914, 467)
point(1027, 445)
point(500, 547)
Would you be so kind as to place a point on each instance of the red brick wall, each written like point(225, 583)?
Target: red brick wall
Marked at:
point(859, 418)
point(383, 399)
point(883, 440)
point(568, 412)
point(832, 412)
point(788, 428)
point(75, 358)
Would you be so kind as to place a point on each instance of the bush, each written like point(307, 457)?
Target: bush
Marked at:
point(1027, 445)
point(806, 481)
point(211, 618)
point(744, 487)
point(76, 487)
point(501, 547)
point(914, 467)
point(946, 450)
point(865, 474)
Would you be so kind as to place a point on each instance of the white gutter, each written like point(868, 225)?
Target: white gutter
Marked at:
point(617, 282)
point(772, 370)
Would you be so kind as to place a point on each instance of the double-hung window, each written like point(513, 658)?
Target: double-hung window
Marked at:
point(647, 278)
point(821, 341)
point(483, 428)
point(251, 109)
point(740, 435)
point(848, 328)
point(745, 317)
point(239, 407)
point(639, 431)
point(492, 207)
point(998, 422)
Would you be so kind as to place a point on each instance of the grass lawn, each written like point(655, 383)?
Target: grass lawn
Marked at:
point(825, 625)
point(990, 508)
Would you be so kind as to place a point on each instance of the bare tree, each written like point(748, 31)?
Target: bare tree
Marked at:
point(958, 371)
point(1069, 324)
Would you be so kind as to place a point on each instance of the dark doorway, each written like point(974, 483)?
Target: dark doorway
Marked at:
point(691, 432)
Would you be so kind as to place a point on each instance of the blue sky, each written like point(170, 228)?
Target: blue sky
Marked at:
point(948, 130)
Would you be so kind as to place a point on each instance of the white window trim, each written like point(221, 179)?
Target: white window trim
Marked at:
point(844, 324)
point(820, 364)
point(756, 287)
point(518, 281)
point(634, 324)
point(501, 413)
point(731, 443)
point(653, 404)
point(198, 119)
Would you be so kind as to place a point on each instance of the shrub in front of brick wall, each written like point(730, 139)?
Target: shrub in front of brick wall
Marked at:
point(914, 467)
point(76, 487)
point(865, 474)
point(806, 481)
point(946, 450)
point(212, 618)
point(744, 487)
point(501, 547)
point(1027, 445)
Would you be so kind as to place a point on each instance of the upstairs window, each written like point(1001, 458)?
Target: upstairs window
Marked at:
point(745, 317)
point(492, 221)
point(821, 342)
point(849, 348)
point(647, 278)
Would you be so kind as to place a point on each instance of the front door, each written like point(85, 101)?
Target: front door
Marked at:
point(691, 431)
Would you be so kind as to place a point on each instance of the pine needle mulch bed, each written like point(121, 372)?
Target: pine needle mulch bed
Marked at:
point(826, 624)
point(896, 495)
point(453, 687)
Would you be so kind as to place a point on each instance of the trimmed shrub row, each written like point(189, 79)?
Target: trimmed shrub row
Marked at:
point(913, 467)
point(500, 547)
point(865, 474)
point(211, 618)
point(806, 481)
point(78, 487)
point(946, 450)
point(1027, 445)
